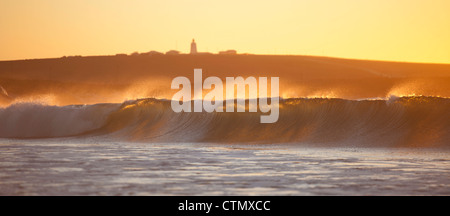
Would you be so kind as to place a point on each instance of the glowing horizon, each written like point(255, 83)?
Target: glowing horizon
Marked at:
point(403, 30)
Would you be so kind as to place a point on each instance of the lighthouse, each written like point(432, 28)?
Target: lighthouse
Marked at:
point(193, 47)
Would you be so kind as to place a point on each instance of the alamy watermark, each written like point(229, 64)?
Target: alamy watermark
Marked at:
point(211, 102)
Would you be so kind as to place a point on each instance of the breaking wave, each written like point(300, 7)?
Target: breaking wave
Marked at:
point(404, 121)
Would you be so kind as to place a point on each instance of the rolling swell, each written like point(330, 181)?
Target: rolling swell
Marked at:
point(405, 121)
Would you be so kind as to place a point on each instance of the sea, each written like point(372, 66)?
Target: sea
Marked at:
point(318, 146)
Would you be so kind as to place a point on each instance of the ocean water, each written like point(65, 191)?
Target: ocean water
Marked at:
point(319, 146)
point(104, 125)
point(93, 166)
point(391, 122)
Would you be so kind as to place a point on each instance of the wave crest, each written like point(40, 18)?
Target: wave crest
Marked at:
point(396, 121)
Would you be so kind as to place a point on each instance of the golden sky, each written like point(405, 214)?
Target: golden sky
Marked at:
point(397, 30)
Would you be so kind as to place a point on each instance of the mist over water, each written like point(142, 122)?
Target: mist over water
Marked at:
point(115, 79)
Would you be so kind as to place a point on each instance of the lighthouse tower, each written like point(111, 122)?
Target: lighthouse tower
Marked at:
point(193, 47)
